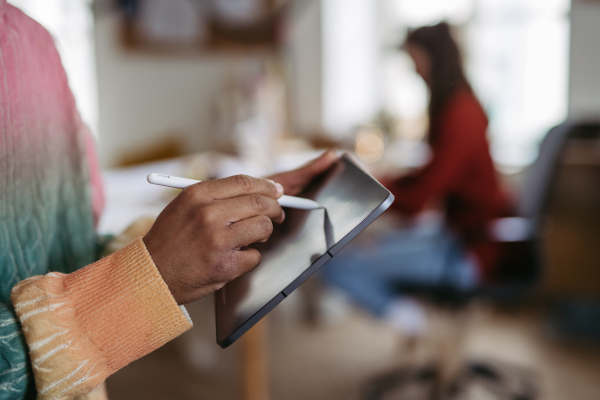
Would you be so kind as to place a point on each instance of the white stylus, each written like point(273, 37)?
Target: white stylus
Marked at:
point(181, 183)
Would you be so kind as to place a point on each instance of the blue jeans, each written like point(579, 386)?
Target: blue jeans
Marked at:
point(426, 255)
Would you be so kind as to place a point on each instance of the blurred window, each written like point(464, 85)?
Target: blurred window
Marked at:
point(71, 24)
point(350, 59)
point(516, 56)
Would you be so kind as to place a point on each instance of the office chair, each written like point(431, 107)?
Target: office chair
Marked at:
point(520, 271)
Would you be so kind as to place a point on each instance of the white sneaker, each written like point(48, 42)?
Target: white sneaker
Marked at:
point(406, 315)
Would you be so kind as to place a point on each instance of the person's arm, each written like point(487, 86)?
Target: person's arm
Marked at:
point(450, 158)
point(16, 373)
point(16, 378)
point(83, 326)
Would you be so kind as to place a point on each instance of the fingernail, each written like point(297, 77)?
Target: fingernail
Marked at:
point(279, 187)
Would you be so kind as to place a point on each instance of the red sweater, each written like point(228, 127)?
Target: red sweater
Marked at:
point(460, 175)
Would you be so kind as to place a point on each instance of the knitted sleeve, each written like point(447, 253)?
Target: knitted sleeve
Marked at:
point(16, 379)
point(82, 327)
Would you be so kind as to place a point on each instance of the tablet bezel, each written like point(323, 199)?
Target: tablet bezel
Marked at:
point(318, 263)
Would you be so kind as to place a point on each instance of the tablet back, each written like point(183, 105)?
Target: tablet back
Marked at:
point(299, 246)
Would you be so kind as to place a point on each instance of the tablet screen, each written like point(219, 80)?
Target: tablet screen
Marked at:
point(304, 242)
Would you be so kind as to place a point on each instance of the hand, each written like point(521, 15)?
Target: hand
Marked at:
point(199, 241)
point(295, 181)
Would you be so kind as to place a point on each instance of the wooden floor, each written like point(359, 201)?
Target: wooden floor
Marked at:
point(334, 362)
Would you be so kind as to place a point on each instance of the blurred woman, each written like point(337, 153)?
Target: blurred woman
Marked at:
point(460, 177)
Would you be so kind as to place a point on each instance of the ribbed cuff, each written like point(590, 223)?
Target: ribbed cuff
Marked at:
point(82, 327)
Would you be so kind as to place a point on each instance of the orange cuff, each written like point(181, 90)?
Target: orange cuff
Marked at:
point(84, 326)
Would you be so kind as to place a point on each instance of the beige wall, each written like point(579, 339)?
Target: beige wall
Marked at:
point(143, 97)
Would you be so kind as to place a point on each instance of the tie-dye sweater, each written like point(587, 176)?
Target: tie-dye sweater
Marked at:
point(66, 322)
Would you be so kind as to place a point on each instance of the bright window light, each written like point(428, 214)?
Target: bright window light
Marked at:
point(516, 57)
point(71, 24)
point(425, 12)
point(350, 59)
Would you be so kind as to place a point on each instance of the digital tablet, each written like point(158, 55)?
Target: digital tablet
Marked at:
point(302, 244)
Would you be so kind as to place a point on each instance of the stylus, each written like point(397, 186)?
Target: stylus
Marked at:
point(181, 183)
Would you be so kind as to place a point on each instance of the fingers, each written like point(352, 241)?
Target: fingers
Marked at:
point(320, 164)
point(238, 185)
point(239, 208)
point(295, 181)
point(246, 260)
point(249, 231)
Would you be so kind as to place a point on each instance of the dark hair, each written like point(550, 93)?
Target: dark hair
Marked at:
point(447, 74)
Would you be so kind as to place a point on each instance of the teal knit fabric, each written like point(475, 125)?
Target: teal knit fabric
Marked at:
point(46, 221)
point(16, 380)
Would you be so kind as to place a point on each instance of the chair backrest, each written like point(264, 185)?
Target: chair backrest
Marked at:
point(541, 176)
point(522, 266)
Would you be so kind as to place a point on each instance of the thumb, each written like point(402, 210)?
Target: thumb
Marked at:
point(319, 164)
point(296, 180)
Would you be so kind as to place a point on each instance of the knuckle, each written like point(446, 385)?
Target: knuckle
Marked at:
point(232, 264)
point(208, 215)
point(264, 226)
point(186, 196)
point(245, 183)
point(226, 267)
point(191, 193)
point(259, 203)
